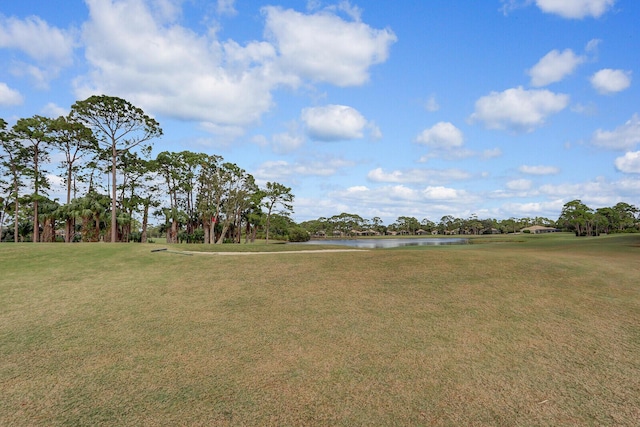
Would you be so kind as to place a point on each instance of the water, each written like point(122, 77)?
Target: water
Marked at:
point(389, 243)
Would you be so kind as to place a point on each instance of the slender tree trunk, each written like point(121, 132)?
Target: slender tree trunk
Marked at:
point(206, 228)
point(36, 223)
point(225, 228)
point(15, 220)
point(68, 229)
point(145, 220)
point(114, 224)
point(68, 221)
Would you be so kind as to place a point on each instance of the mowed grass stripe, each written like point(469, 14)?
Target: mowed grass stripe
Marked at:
point(539, 331)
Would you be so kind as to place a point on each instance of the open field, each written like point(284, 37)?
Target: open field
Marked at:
point(508, 331)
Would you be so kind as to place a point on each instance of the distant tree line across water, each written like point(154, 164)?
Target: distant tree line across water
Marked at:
point(575, 217)
point(196, 197)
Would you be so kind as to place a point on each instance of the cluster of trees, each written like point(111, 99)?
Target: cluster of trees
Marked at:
point(575, 216)
point(584, 221)
point(200, 197)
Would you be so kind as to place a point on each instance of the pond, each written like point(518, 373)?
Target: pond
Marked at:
point(389, 243)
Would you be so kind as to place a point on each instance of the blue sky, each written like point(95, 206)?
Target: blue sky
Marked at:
point(498, 108)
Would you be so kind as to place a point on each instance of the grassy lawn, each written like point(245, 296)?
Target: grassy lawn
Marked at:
point(507, 331)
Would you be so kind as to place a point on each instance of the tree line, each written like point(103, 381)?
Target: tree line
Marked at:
point(199, 197)
point(575, 217)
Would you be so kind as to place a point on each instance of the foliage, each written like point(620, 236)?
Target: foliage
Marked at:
point(276, 194)
point(299, 234)
point(118, 126)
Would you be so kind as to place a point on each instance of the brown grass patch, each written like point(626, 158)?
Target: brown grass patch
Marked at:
point(509, 334)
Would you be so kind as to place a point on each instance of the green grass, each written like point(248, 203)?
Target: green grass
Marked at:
point(510, 330)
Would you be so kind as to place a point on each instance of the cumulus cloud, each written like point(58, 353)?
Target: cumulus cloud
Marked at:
point(51, 48)
point(608, 81)
point(334, 123)
point(442, 135)
point(9, 97)
point(518, 109)
point(417, 176)
point(575, 9)
point(38, 40)
point(171, 70)
point(624, 137)
point(325, 48)
point(539, 170)
point(554, 66)
point(443, 193)
point(629, 163)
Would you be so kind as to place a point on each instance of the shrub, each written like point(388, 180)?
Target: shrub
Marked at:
point(299, 234)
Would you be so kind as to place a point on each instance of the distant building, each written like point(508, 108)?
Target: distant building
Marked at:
point(539, 229)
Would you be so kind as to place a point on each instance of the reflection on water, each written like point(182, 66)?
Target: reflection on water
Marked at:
point(389, 243)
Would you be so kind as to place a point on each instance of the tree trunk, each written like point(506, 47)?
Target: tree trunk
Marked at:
point(206, 228)
point(225, 228)
point(174, 232)
point(48, 232)
point(15, 221)
point(36, 223)
point(145, 220)
point(114, 222)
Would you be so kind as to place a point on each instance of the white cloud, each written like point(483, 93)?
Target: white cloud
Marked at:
point(9, 97)
point(325, 48)
point(286, 142)
point(333, 123)
point(554, 66)
point(608, 81)
point(401, 195)
point(374, 131)
point(629, 163)
point(596, 193)
point(38, 40)
point(443, 193)
point(491, 153)
point(442, 135)
point(592, 46)
point(539, 170)
point(518, 109)
point(417, 176)
point(432, 104)
point(54, 111)
point(226, 7)
point(171, 70)
point(519, 184)
point(281, 169)
point(624, 137)
point(533, 209)
point(588, 109)
point(51, 48)
point(575, 9)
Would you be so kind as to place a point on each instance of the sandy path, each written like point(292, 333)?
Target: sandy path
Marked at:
point(310, 251)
